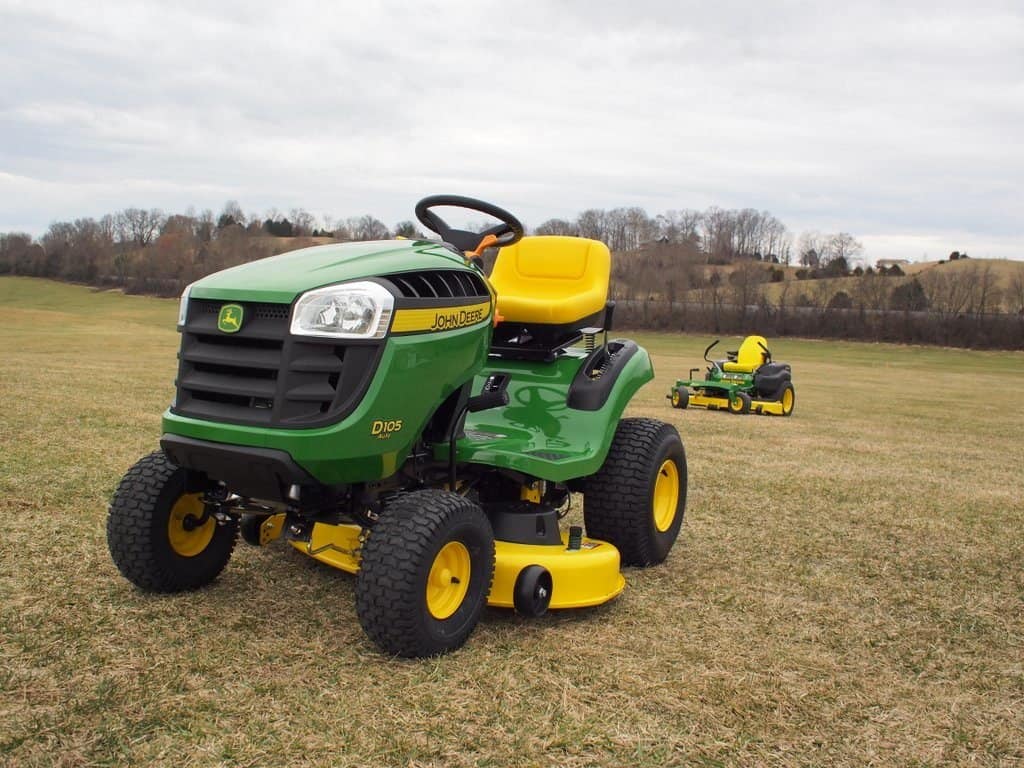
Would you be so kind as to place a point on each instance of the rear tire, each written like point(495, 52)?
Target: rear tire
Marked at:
point(787, 396)
point(156, 534)
point(637, 499)
point(425, 573)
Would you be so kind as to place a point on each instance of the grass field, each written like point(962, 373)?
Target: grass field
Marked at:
point(848, 588)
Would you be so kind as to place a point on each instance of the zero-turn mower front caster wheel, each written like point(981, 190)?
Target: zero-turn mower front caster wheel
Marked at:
point(425, 572)
point(739, 403)
point(637, 499)
point(159, 534)
point(680, 397)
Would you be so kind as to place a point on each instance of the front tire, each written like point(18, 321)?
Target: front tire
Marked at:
point(637, 499)
point(425, 573)
point(739, 403)
point(158, 533)
point(680, 397)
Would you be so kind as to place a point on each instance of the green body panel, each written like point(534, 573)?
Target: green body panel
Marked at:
point(726, 381)
point(537, 433)
point(280, 279)
point(415, 375)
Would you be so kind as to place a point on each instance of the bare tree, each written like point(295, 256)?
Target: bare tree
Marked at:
point(810, 247)
point(592, 224)
point(1015, 295)
point(368, 228)
point(948, 293)
point(680, 226)
point(408, 230)
point(985, 294)
point(557, 227)
point(138, 225)
point(231, 214)
point(746, 281)
point(303, 222)
point(844, 246)
point(871, 291)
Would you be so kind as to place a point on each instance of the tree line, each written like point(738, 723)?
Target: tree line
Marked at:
point(716, 270)
point(964, 304)
point(149, 251)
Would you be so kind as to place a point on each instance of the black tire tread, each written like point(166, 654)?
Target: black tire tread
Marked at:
point(388, 592)
point(617, 501)
point(782, 391)
point(140, 555)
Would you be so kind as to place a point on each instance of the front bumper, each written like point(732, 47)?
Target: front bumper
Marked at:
point(261, 473)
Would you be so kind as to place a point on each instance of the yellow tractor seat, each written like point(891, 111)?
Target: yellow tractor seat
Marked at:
point(750, 357)
point(552, 280)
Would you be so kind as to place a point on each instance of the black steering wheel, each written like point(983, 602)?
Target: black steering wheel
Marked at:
point(509, 231)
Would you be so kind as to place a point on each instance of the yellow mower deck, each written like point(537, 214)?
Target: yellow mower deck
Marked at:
point(581, 577)
point(773, 407)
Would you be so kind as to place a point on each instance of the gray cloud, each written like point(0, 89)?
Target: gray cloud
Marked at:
point(900, 125)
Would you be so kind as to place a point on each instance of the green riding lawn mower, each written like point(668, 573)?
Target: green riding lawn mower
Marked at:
point(747, 381)
point(390, 410)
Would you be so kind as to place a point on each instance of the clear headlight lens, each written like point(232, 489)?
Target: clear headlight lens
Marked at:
point(183, 304)
point(346, 311)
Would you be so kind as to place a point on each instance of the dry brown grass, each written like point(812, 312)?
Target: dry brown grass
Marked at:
point(847, 589)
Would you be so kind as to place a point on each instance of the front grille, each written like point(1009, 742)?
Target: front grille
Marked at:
point(440, 284)
point(262, 375)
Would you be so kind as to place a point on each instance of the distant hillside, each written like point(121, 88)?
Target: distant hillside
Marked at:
point(674, 273)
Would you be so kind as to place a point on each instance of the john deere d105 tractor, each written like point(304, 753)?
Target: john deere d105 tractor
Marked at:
point(388, 409)
point(746, 381)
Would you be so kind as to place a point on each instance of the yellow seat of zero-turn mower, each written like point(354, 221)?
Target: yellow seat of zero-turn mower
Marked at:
point(750, 356)
point(551, 279)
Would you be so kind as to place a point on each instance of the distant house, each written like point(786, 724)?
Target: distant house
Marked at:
point(888, 263)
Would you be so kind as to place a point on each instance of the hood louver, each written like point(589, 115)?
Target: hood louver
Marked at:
point(440, 284)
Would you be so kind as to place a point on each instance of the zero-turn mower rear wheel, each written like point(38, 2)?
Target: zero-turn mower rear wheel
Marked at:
point(787, 396)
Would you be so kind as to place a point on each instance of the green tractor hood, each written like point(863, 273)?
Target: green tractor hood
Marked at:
point(279, 279)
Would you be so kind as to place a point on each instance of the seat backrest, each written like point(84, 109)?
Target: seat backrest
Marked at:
point(750, 356)
point(551, 279)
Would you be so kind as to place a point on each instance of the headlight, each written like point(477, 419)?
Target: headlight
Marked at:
point(346, 311)
point(183, 304)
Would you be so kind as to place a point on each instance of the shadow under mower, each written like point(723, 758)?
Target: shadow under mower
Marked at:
point(747, 381)
point(390, 410)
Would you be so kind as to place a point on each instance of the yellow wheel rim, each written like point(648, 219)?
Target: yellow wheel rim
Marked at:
point(736, 405)
point(448, 581)
point(787, 400)
point(666, 495)
point(185, 542)
point(675, 397)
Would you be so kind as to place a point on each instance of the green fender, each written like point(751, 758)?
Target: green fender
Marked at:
point(537, 433)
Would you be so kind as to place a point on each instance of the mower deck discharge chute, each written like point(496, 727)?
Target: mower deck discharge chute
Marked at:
point(747, 381)
point(390, 410)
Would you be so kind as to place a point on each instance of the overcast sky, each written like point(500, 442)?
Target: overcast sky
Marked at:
point(900, 122)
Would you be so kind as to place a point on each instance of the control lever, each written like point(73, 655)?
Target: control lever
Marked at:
point(493, 395)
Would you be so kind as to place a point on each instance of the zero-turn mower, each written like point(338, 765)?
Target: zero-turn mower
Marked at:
point(388, 409)
point(747, 381)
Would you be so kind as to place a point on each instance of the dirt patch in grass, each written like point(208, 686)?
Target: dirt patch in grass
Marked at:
point(847, 589)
